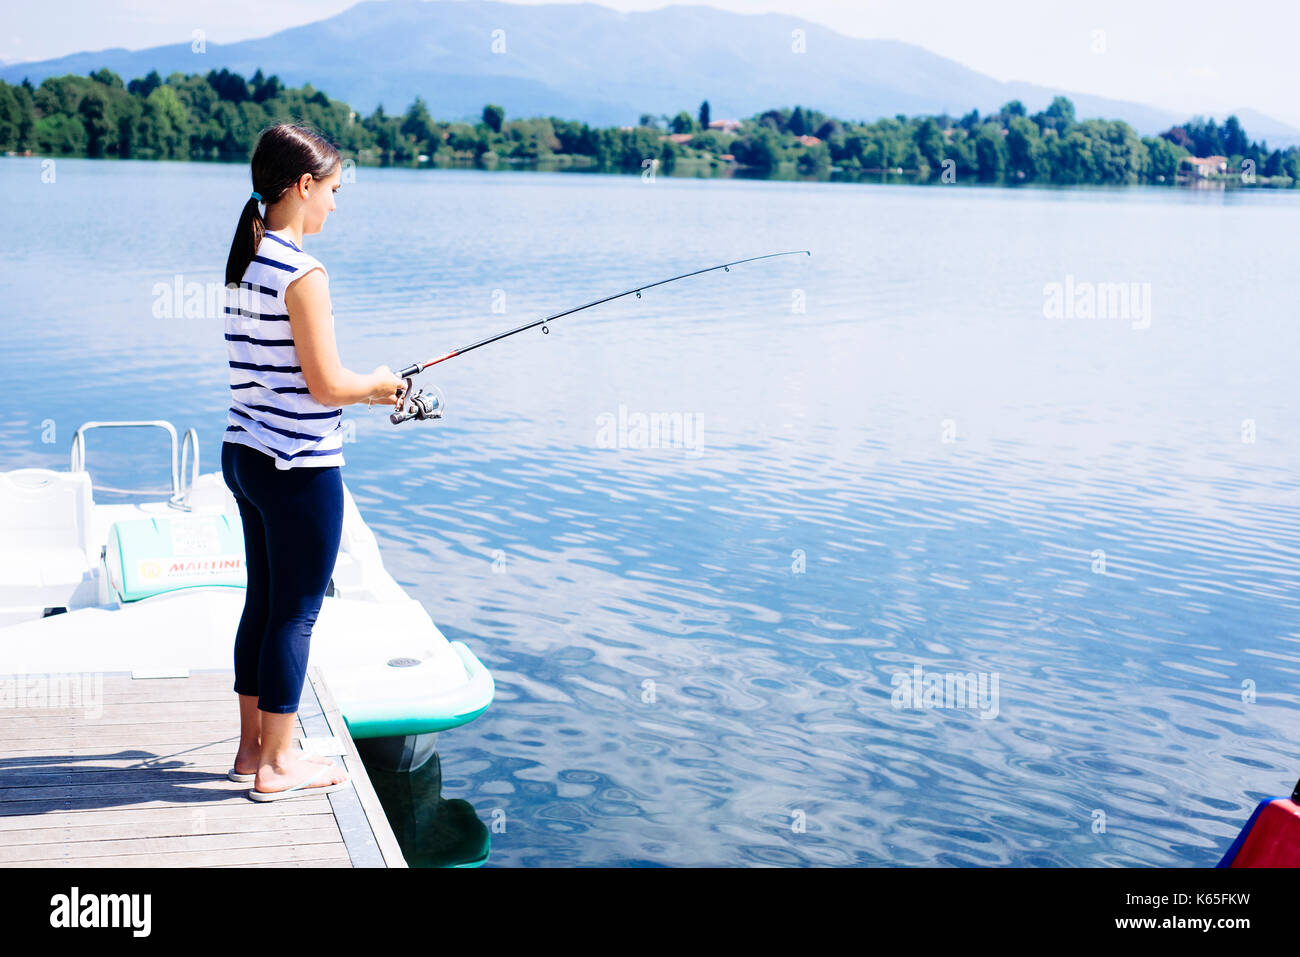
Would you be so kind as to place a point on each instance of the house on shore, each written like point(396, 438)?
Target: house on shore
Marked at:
point(1204, 166)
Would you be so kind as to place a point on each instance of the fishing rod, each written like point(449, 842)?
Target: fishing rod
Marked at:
point(416, 404)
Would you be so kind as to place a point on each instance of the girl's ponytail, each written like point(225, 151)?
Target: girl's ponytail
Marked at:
point(248, 234)
point(284, 152)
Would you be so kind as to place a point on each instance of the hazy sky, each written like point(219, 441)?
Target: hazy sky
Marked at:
point(1185, 55)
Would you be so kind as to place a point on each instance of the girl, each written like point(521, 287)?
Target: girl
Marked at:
point(283, 449)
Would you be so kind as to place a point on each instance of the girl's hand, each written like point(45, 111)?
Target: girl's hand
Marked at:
point(386, 386)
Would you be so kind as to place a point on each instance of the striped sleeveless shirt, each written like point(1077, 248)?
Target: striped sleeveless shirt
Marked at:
point(271, 408)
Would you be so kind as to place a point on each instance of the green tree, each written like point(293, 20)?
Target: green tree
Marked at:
point(11, 117)
point(990, 152)
point(168, 126)
point(532, 138)
point(463, 138)
point(831, 129)
point(1291, 165)
point(1235, 142)
point(961, 150)
point(1026, 154)
point(1206, 139)
point(1059, 116)
point(683, 122)
point(797, 124)
point(142, 88)
point(814, 161)
point(108, 78)
point(101, 132)
point(60, 94)
point(227, 136)
point(265, 88)
point(1163, 158)
point(228, 86)
point(494, 116)
point(630, 149)
point(59, 133)
point(24, 93)
point(668, 156)
point(704, 115)
point(1072, 159)
point(929, 141)
point(1118, 155)
point(774, 120)
point(419, 126)
point(759, 150)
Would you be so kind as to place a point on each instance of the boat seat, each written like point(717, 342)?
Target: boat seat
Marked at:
point(45, 555)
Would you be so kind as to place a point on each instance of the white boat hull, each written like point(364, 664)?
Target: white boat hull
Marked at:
point(392, 673)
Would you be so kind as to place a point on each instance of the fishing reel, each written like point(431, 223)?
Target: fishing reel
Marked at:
point(415, 403)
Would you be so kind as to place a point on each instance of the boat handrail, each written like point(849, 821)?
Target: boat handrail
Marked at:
point(190, 439)
point(78, 456)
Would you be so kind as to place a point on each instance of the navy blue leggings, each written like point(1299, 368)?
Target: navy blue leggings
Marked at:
point(293, 519)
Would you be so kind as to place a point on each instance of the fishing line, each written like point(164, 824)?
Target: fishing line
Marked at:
point(417, 404)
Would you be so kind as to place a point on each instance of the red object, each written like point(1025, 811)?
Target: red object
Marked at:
point(1274, 841)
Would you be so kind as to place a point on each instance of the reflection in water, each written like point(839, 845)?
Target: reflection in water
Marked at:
point(432, 831)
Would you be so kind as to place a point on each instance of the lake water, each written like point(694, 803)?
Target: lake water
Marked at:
point(908, 455)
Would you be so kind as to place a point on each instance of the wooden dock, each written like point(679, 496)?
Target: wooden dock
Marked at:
point(139, 780)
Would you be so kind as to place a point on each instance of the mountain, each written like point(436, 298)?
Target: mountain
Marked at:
point(588, 62)
point(1260, 127)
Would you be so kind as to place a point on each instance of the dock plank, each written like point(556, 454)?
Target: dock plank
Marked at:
point(231, 857)
point(77, 851)
point(178, 826)
point(135, 776)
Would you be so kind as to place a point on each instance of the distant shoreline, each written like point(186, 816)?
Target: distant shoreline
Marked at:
point(870, 178)
point(217, 117)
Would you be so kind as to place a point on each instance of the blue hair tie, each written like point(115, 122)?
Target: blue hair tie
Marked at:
point(256, 195)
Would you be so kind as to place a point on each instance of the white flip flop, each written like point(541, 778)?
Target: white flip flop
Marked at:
point(301, 789)
point(235, 776)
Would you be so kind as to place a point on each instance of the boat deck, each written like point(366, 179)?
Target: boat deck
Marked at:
point(135, 776)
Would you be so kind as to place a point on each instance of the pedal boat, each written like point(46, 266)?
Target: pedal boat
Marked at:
point(156, 588)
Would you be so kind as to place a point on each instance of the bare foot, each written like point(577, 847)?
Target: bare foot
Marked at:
point(295, 770)
point(246, 761)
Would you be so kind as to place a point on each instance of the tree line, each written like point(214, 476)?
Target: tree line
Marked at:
point(218, 116)
point(1051, 146)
